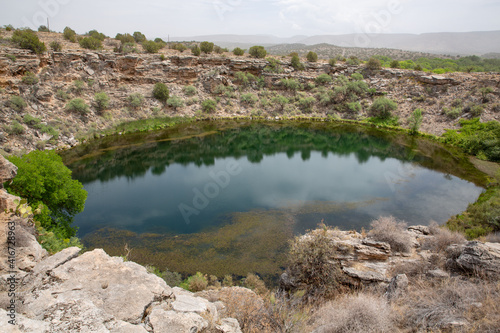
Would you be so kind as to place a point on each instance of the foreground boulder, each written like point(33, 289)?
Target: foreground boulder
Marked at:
point(475, 258)
point(94, 292)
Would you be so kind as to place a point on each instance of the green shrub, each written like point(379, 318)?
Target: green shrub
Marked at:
point(17, 103)
point(323, 79)
point(306, 103)
point(29, 78)
point(296, 64)
point(195, 283)
point(374, 64)
point(220, 50)
point(8, 27)
point(249, 99)
point(255, 283)
point(484, 91)
point(97, 35)
point(395, 64)
point(209, 105)
point(136, 100)
point(78, 86)
point(139, 37)
point(11, 57)
point(56, 46)
point(382, 107)
point(44, 180)
point(151, 47)
point(312, 56)
point(175, 102)
point(43, 28)
point(332, 62)
point(90, 43)
point(179, 47)
point(189, 90)
point(476, 110)
point(273, 66)
point(69, 34)
point(415, 120)
point(206, 47)
point(173, 279)
point(62, 95)
point(77, 105)
point(15, 128)
point(238, 52)
point(53, 244)
point(354, 107)
point(280, 100)
point(353, 61)
point(357, 76)
point(161, 92)
point(101, 101)
point(196, 50)
point(125, 38)
point(257, 51)
point(27, 39)
point(452, 113)
point(31, 121)
point(290, 84)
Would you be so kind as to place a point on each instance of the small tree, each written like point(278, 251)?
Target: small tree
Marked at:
point(179, 47)
point(29, 78)
point(332, 62)
point(296, 64)
point(97, 35)
point(55, 46)
point(151, 47)
point(374, 64)
point(196, 50)
point(415, 120)
point(69, 34)
point(101, 100)
point(90, 43)
point(238, 52)
point(206, 47)
point(27, 39)
point(312, 56)
point(139, 37)
point(17, 103)
point(323, 79)
point(43, 28)
point(383, 107)
point(136, 100)
point(161, 92)
point(258, 51)
point(125, 38)
point(394, 64)
point(43, 179)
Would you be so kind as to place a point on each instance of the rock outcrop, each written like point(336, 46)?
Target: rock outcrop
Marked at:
point(475, 258)
point(94, 292)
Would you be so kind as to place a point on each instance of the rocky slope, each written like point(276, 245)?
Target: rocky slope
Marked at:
point(79, 73)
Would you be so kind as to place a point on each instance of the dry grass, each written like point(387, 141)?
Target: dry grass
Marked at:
point(493, 237)
point(388, 229)
point(433, 306)
point(355, 313)
point(442, 238)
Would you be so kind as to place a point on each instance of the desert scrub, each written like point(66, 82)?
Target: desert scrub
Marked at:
point(29, 78)
point(290, 84)
point(161, 92)
point(209, 105)
point(90, 43)
point(383, 107)
point(175, 102)
point(135, 100)
point(55, 46)
point(414, 121)
point(249, 99)
point(323, 79)
point(273, 66)
point(189, 90)
point(101, 101)
point(15, 128)
point(62, 95)
point(453, 113)
point(255, 283)
point(77, 105)
point(27, 39)
point(17, 103)
point(195, 283)
point(389, 230)
point(78, 87)
point(69, 34)
point(312, 264)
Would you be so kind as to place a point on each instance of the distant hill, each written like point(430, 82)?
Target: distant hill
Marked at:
point(449, 43)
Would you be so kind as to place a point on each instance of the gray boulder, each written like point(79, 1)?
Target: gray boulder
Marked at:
point(476, 258)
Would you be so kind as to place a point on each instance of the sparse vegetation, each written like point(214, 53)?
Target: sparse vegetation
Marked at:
point(209, 106)
point(383, 107)
point(257, 51)
point(175, 102)
point(206, 47)
point(17, 103)
point(90, 43)
point(101, 101)
point(189, 90)
point(238, 51)
point(56, 46)
point(415, 120)
point(135, 100)
point(151, 46)
point(374, 64)
point(161, 92)
point(312, 56)
point(78, 105)
point(323, 79)
point(69, 34)
point(391, 231)
point(29, 78)
point(196, 50)
point(27, 39)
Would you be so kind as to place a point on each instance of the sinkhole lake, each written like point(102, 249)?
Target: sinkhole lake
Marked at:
point(225, 198)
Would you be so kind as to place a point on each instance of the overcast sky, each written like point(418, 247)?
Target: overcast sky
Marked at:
point(283, 18)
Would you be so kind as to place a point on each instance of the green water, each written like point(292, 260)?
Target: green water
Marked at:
point(224, 198)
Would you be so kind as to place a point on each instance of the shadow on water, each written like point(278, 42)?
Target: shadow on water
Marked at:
point(292, 176)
